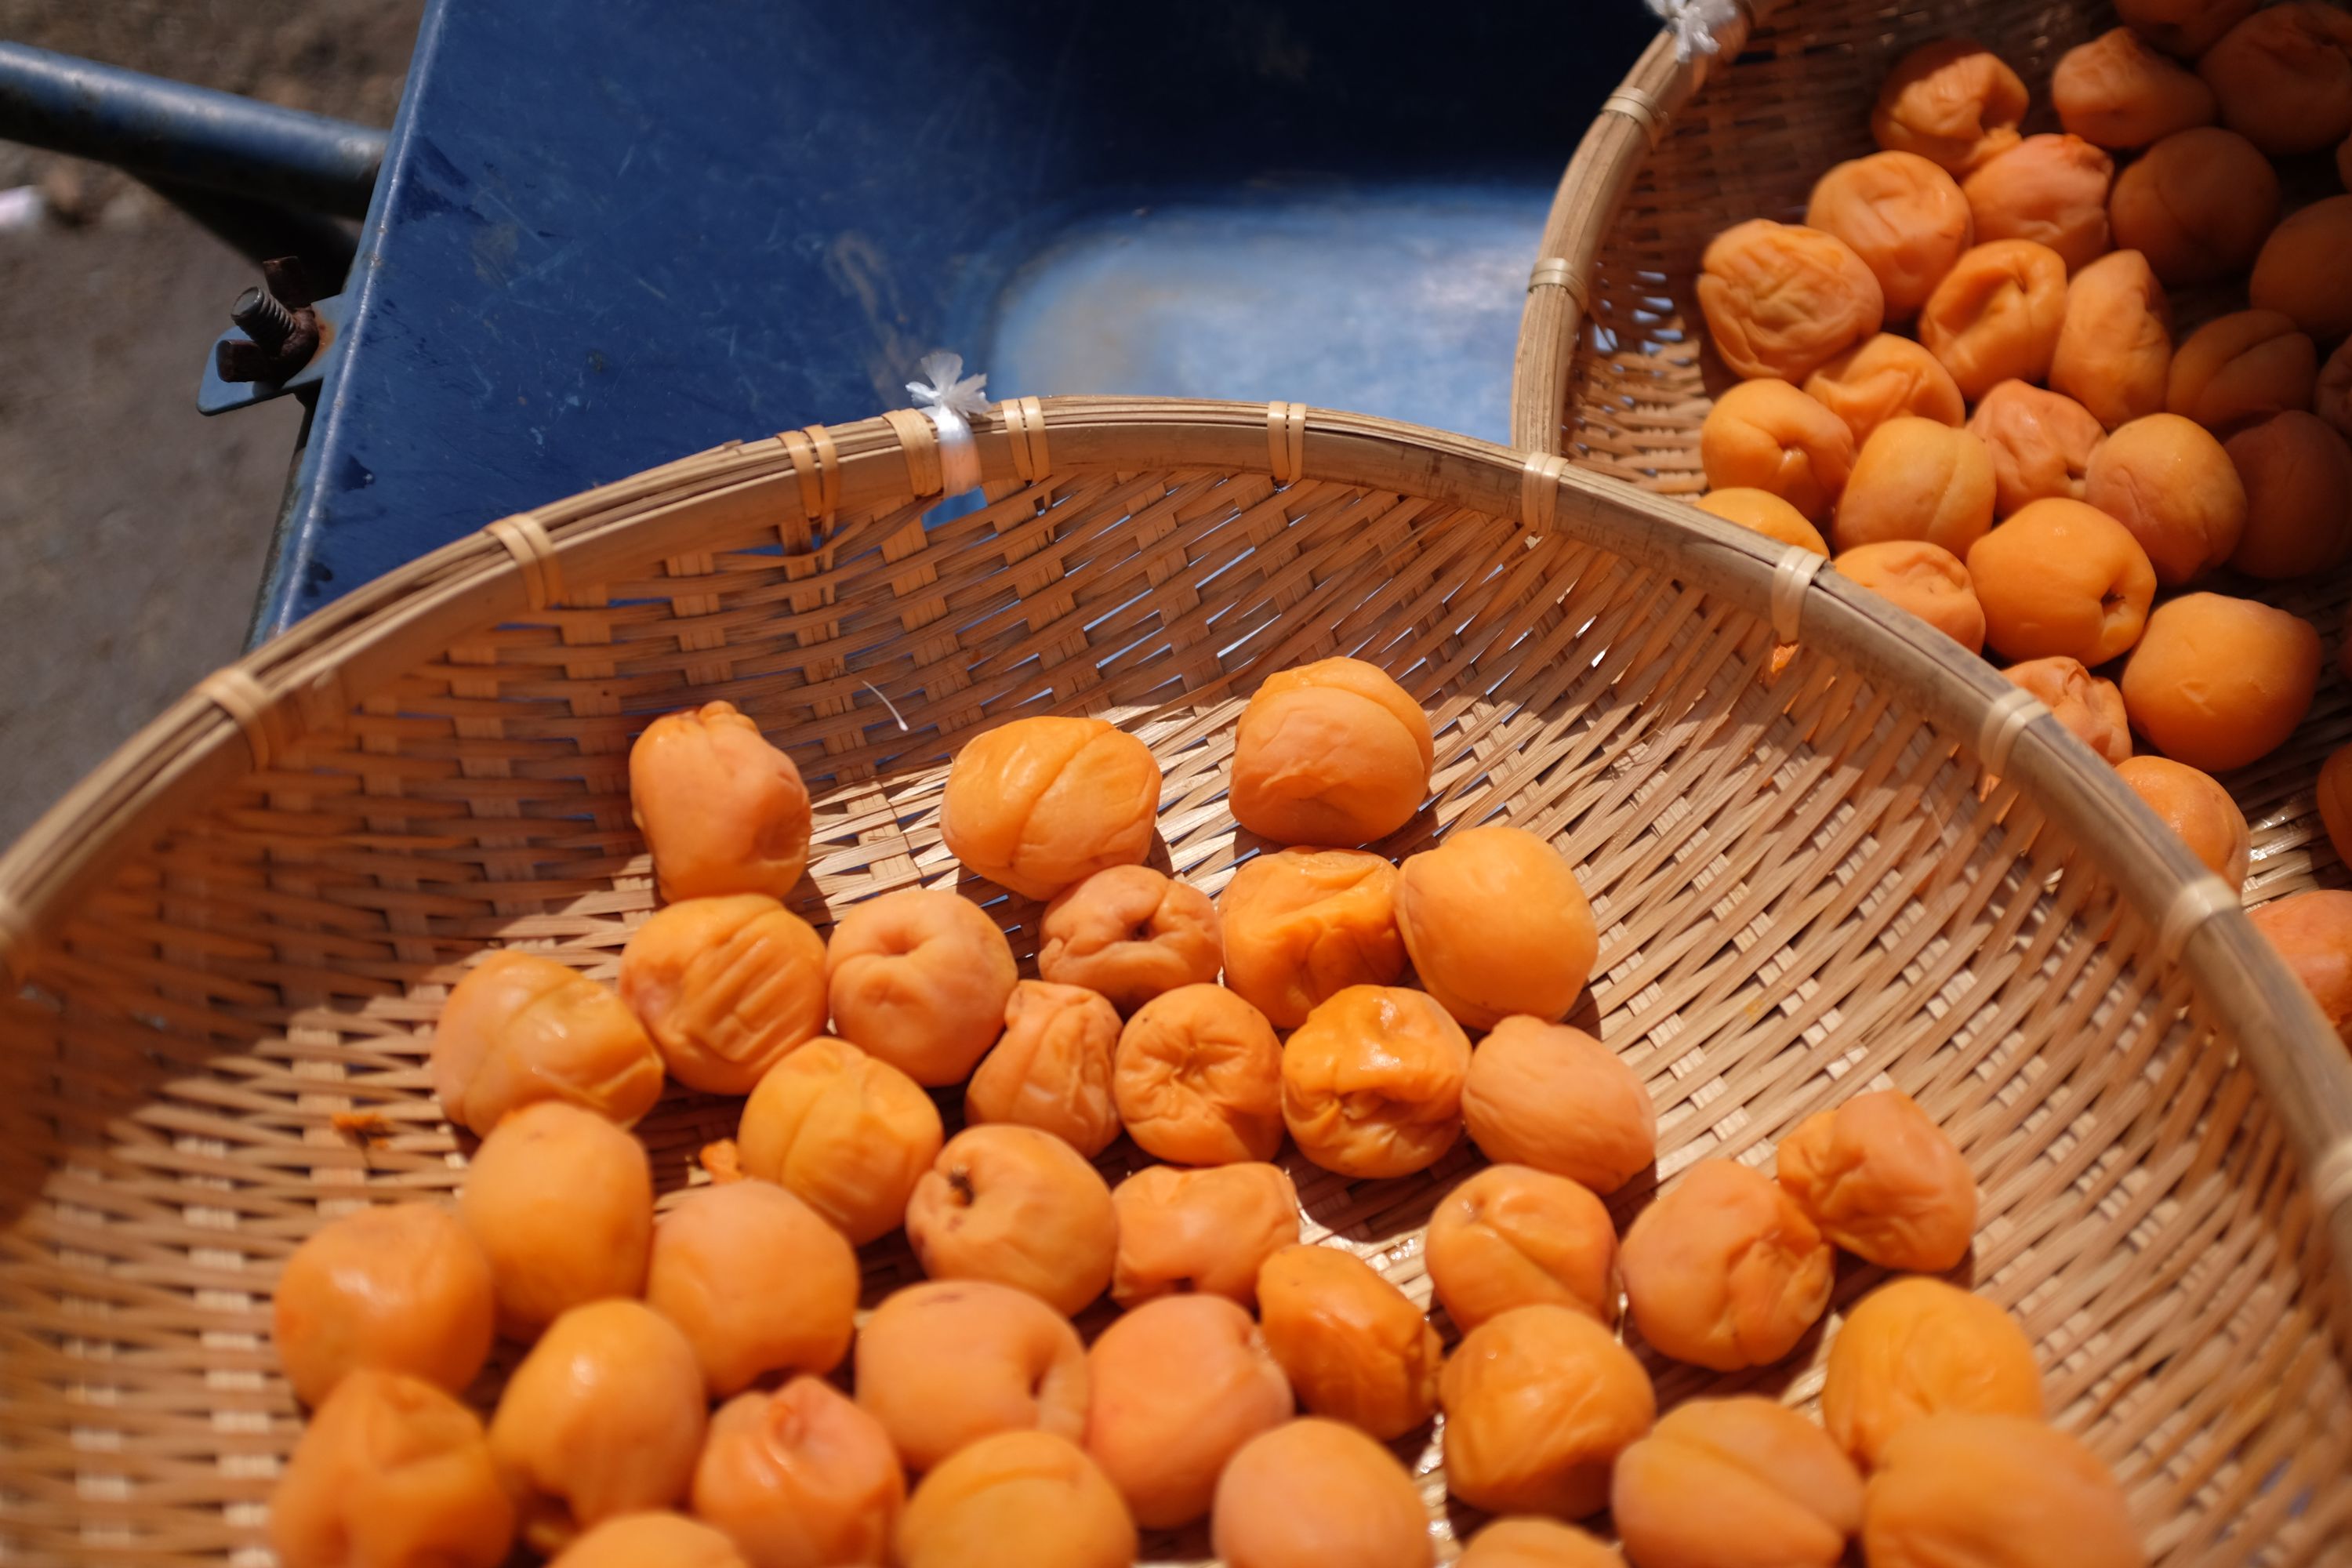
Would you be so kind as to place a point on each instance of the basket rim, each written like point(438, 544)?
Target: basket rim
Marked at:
point(231, 725)
point(1599, 176)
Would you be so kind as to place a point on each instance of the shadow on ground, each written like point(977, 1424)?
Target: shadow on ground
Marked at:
point(133, 531)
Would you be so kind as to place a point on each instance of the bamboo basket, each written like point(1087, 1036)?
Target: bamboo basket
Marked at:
point(1612, 368)
point(231, 938)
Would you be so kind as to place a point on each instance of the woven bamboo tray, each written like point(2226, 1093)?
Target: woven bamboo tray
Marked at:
point(1612, 368)
point(229, 937)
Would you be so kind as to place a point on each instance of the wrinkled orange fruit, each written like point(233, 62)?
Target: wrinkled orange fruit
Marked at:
point(1371, 1083)
point(728, 987)
point(1882, 1181)
point(1724, 1270)
point(390, 1469)
point(520, 1028)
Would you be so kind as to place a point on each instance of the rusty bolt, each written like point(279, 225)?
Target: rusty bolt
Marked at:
point(281, 329)
point(264, 320)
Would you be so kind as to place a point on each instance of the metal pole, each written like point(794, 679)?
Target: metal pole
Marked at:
point(178, 135)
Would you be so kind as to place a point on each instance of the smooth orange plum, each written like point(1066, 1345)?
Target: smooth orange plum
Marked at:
point(944, 1365)
point(2168, 480)
point(801, 1478)
point(1331, 753)
point(1915, 1349)
point(1768, 436)
point(2114, 348)
point(2313, 933)
point(2297, 474)
point(391, 1470)
point(757, 1280)
point(1017, 1206)
point(1496, 925)
point(604, 1418)
point(1313, 1493)
point(2183, 28)
point(2122, 93)
point(2282, 78)
point(2242, 367)
point(1354, 1347)
point(2195, 806)
point(1552, 1096)
point(2001, 1491)
point(2061, 578)
point(2198, 204)
point(669, 1539)
point(561, 1204)
point(1016, 1500)
point(2219, 682)
point(919, 979)
point(1736, 1483)
point(1530, 1542)
point(1041, 803)
point(1917, 480)
point(1175, 1388)
point(399, 1288)
point(2300, 271)
point(1767, 514)
point(723, 811)
point(1540, 1402)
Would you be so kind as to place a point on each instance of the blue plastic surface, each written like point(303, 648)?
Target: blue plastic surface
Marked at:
point(610, 232)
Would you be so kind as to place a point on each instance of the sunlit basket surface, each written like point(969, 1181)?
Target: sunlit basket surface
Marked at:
point(232, 938)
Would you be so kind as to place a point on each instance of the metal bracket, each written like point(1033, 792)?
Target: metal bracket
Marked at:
point(214, 395)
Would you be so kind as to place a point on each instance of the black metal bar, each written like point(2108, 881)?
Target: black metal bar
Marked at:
point(169, 131)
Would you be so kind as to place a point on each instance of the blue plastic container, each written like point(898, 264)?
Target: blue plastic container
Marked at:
point(610, 232)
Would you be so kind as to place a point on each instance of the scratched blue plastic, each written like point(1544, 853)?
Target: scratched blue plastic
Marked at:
point(609, 232)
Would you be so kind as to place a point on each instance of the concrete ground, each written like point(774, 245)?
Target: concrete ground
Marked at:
point(131, 528)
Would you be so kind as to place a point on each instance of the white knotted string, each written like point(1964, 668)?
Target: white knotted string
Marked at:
point(953, 400)
point(1695, 24)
